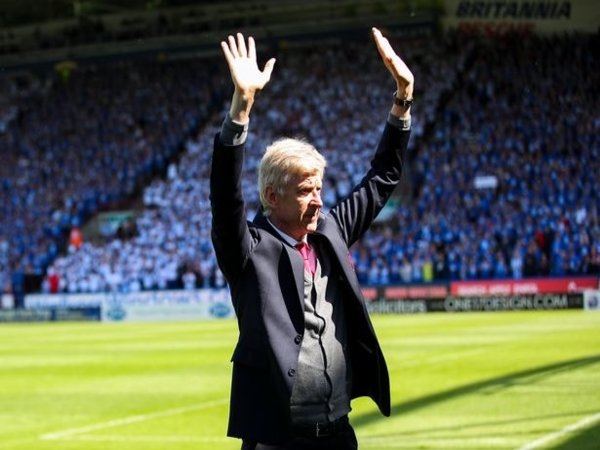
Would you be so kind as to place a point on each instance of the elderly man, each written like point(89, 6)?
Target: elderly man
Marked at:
point(306, 344)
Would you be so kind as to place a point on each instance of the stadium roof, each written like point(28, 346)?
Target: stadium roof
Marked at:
point(19, 12)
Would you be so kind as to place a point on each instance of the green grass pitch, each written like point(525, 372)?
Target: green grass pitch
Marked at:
point(511, 380)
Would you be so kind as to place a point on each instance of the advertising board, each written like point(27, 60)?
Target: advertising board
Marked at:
point(563, 285)
point(477, 303)
point(591, 300)
point(499, 17)
point(168, 305)
point(7, 301)
point(51, 314)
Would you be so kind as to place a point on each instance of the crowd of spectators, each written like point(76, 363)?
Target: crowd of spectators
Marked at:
point(525, 118)
point(172, 247)
point(86, 140)
point(503, 172)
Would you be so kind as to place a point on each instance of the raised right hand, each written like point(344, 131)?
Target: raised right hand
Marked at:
point(246, 76)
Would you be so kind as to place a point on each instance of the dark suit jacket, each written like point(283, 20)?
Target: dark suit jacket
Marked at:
point(265, 276)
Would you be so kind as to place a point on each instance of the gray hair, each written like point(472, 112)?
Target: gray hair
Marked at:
point(283, 159)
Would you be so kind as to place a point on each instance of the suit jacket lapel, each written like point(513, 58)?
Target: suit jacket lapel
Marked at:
point(296, 310)
point(341, 253)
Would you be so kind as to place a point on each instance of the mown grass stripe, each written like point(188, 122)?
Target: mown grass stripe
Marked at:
point(69, 433)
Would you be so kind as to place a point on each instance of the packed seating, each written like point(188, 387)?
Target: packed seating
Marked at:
point(528, 124)
point(503, 164)
point(173, 233)
point(85, 140)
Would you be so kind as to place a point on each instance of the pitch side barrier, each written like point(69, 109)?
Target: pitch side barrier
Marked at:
point(64, 314)
point(486, 295)
point(458, 296)
point(142, 306)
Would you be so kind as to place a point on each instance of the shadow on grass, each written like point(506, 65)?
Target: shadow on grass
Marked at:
point(529, 376)
point(515, 421)
point(585, 439)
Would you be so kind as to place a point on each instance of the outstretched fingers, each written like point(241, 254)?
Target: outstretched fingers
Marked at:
point(268, 69)
point(233, 46)
point(227, 52)
point(392, 61)
point(251, 48)
point(241, 46)
point(383, 45)
point(247, 78)
point(240, 55)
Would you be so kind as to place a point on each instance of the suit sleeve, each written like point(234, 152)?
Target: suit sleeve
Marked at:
point(356, 212)
point(230, 234)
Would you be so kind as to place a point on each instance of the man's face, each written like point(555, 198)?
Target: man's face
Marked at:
point(296, 210)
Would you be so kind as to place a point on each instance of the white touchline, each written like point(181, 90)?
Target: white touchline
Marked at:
point(129, 420)
point(560, 433)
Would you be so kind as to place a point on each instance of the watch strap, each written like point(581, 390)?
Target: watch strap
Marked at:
point(402, 102)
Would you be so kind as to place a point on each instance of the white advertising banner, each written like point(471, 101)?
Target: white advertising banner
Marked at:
point(497, 17)
point(63, 300)
point(144, 305)
point(8, 301)
point(591, 300)
point(168, 305)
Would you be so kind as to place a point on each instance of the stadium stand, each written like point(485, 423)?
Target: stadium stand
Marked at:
point(524, 116)
point(522, 123)
point(87, 141)
point(183, 231)
point(501, 182)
